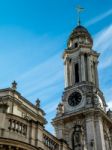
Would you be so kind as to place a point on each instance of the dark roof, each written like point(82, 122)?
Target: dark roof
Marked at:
point(81, 28)
point(80, 31)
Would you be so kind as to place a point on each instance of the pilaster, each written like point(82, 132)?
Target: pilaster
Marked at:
point(99, 133)
point(96, 74)
point(32, 134)
point(83, 75)
point(68, 72)
point(59, 129)
point(40, 131)
point(89, 69)
point(90, 131)
point(65, 74)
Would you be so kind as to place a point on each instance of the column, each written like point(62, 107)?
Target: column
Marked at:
point(67, 72)
point(83, 72)
point(89, 69)
point(99, 133)
point(70, 72)
point(96, 74)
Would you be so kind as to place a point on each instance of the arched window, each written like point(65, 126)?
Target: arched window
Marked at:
point(76, 45)
point(76, 73)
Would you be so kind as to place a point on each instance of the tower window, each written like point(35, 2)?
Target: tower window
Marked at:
point(76, 73)
point(76, 45)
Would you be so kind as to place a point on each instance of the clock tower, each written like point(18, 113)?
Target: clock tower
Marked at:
point(82, 120)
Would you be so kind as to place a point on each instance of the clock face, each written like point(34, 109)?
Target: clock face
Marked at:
point(74, 99)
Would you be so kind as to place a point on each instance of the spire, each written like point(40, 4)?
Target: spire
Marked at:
point(79, 10)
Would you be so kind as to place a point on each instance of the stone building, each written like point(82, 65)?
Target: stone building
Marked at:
point(22, 124)
point(81, 122)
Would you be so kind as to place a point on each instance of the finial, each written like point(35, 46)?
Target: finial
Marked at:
point(37, 103)
point(79, 10)
point(14, 85)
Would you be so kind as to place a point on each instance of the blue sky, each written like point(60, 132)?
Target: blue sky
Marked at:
point(33, 36)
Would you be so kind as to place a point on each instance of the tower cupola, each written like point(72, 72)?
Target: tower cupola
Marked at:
point(80, 37)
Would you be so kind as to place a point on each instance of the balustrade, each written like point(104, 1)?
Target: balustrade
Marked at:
point(50, 143)
point(17, 126)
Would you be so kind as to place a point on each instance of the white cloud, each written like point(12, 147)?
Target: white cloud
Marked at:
point(106, 63)
point(51, 107)
point(44, 82)
point(103, 39)
point(45, 76)
point(103, 44)
point(99, 18)
point(47, 94)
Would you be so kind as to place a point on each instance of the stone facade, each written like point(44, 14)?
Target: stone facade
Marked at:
point(22, 124)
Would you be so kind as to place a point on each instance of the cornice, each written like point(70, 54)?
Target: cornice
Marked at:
point(16, 143)
point(84, 112)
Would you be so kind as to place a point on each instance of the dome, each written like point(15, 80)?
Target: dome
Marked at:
point(80, 36)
